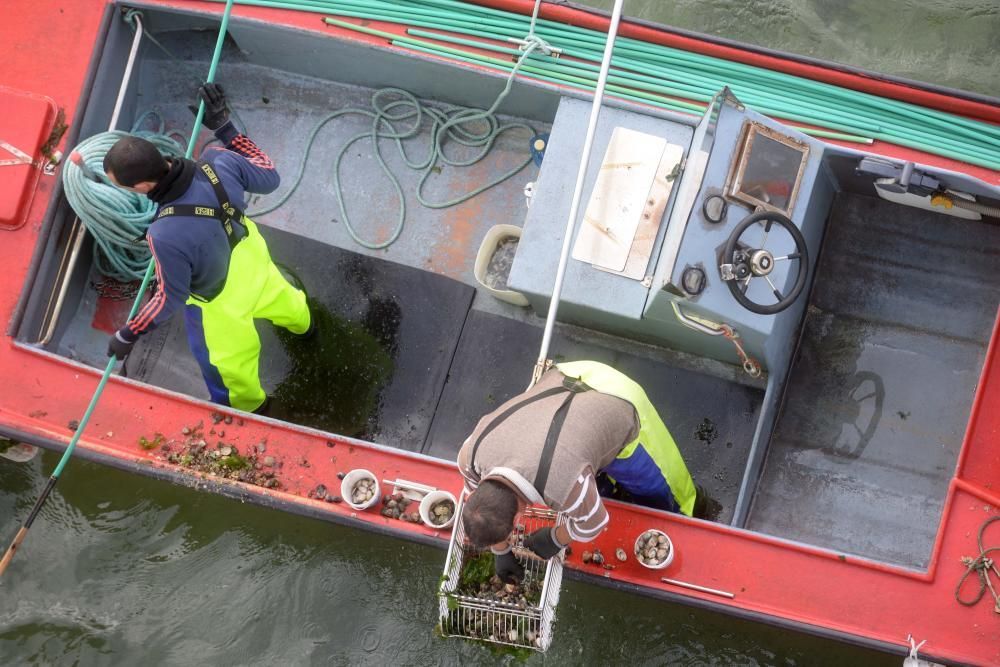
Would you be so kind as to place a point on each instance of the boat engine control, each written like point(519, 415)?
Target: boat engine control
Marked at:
point(700, 238)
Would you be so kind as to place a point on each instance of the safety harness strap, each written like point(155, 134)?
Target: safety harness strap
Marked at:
point(555, 428)
point(502, 417)
point(228, 215)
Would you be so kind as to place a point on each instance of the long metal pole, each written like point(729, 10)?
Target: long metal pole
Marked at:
point(595, 112)
point(23, 531)
point(79, 232)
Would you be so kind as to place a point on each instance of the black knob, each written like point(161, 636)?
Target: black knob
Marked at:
point(714, 208)
point(693, 280)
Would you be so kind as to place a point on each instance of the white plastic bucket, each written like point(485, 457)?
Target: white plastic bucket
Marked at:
point(432, 499)
point(347, 488)
point(493, 237)
point(666, 561)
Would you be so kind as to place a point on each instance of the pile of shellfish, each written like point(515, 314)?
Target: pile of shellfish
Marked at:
point(363, 491)
point(497, 627)
point(395, 508)
point(652, 548)
point(442, 512)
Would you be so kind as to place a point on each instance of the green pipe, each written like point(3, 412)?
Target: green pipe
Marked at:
point(550, 67)
point(650, 83)
point(670, 105)
point(557, 77)
point(784, 113)
point(475, 59)
point(903, 136)
point(788, 110)
point(597, 40)
point(626, 43)
point(892, 118)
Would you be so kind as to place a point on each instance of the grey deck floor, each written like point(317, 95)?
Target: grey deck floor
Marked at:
point(419, 302)
point(447, 365)
point(882, 384)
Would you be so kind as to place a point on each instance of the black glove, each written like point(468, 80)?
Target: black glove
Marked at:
point(118, 347)
point(216, 113)
point(544, 543)
point(507, 568)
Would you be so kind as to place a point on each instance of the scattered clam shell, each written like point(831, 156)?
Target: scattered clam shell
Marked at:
point(621, 555)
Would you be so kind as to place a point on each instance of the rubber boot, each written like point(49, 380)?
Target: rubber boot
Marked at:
point(309, 333)
point(264, 410)
point(705, 506)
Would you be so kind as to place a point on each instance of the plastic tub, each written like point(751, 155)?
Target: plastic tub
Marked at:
point(432, 499)
point(493, 237)
point(669, 544)
point(347, 488)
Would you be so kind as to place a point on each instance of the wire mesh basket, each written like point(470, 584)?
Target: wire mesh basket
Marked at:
point(522, 617)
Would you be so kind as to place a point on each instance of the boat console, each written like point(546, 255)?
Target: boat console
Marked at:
point(692, 237)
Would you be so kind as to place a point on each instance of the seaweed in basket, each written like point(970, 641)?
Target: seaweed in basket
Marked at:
point(477, 579)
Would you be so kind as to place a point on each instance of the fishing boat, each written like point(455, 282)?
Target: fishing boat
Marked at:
point(796, 260)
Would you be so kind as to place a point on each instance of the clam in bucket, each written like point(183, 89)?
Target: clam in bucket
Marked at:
point(437, 509)
point(359, 489)
point(520, 616)
point(654, 549)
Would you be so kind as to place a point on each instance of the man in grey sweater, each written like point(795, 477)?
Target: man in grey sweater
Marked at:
point(547, 447)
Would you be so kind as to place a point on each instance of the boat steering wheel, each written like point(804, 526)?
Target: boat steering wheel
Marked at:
point(741, 264)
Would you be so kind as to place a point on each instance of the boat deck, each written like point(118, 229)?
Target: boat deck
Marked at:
point(882, 384)
point(414, 351)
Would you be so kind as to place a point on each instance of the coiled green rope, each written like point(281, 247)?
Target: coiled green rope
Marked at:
point(116, 218)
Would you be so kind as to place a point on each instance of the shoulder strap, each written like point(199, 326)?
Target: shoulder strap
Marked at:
point(499, 419)
point(573, 387)
point(228, 215)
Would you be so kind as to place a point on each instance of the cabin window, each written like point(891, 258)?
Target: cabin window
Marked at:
point(768, 169)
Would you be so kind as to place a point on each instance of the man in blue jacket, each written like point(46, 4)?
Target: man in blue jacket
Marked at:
point(209, 256)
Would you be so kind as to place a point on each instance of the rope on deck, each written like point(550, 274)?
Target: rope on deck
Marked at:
point(982, 565)
point(116, 218)
point(473, 128)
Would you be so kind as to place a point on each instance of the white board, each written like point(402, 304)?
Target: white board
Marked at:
point(619, 199)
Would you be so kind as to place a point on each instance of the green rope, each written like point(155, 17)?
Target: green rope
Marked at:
point(452, 123)
point(116, 218)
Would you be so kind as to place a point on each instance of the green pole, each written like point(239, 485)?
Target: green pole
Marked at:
point(33, 514)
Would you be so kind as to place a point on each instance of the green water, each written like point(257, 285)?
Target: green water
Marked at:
point(123, 570)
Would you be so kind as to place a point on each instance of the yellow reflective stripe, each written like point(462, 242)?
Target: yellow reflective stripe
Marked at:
point(653, 433)
point(210, 173)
